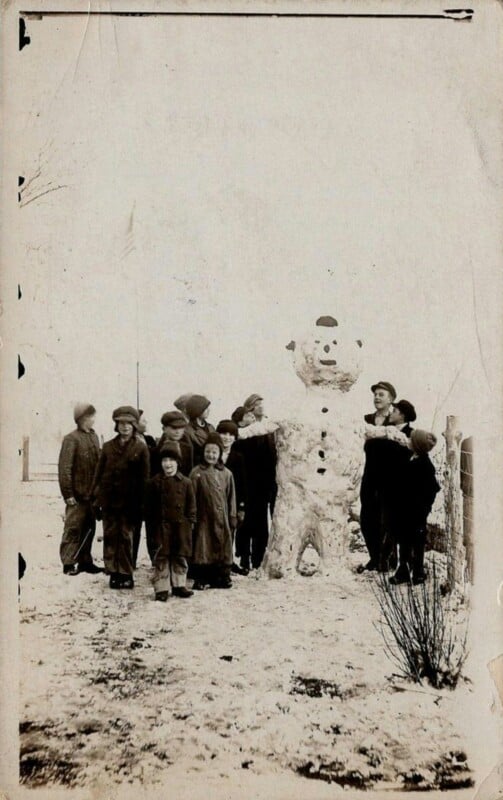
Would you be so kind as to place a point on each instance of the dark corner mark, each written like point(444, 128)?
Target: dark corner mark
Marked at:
point(19, 292)
point(23, 39)
point(20, 368)
point(20, 182)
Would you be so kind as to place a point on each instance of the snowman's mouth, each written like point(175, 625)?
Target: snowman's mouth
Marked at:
point(328, 362)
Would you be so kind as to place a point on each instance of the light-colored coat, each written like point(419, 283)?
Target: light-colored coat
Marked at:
point(216, 514)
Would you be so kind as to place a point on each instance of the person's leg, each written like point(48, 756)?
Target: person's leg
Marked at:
point(110, 537)
point(244, 538)
point(86, 563)
point(75, 517)
point(179, 569)
point(417, 555)
point(150, 536)
point(370, 525)
point(161, 579)
point(124, 553)
point(136, 541)
point(389, 525)
point(260, 534)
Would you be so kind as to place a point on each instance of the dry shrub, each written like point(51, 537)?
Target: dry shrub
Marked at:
point(420, 632)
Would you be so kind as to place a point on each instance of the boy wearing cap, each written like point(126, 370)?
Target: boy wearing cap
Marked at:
point(119, 486)
point(174, 424)
point(384, 395)
point(170, 509)
point(77, 462)
point(419, 487)
point(197, 409)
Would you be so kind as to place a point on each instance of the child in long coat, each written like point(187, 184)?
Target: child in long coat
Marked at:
point(216, 518)
point(118, 491)
point(170, 510)
point(418, 487)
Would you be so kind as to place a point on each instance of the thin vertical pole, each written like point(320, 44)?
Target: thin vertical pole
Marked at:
point(137, 384)
point(453, 505)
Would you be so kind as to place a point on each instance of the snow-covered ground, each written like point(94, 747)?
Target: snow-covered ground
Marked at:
point(273, 689)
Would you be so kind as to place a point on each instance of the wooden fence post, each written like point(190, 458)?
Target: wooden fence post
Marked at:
point(26, 458)
point(453, 505)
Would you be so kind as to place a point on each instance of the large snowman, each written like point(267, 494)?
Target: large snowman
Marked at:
point(320, 451)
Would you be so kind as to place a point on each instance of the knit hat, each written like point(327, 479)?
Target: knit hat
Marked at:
point(170, 450)
point(238, 414)
point(422, 441)
point(83, 410)
point(388, 387)
point(252, 401)
point(195, 406)
point(181, 402)
point(214, 438)
point(126, 414)
point(174, 419)
point(228, 426)
point(407, 409)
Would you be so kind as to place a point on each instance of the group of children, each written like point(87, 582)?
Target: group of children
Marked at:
point(204, 493)
point(191, 488)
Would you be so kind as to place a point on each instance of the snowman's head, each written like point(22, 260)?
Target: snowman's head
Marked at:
point(327, 358)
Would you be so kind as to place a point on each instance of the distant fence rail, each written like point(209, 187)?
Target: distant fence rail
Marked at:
point(47, 470)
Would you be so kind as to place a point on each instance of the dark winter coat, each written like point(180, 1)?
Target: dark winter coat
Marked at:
point(384, 462)
point(121, 474)
point(187, 462)
point(216, 514)
point(236, 463)
point(78, 458)
point(197, 435)
point(259, 453)
point(419, 489)
point(170, 510)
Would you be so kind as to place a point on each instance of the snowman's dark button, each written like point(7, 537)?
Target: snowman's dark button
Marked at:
point(324, 410)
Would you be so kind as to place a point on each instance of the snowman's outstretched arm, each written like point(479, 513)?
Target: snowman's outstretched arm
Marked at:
point(386, 432)
point(259, 428)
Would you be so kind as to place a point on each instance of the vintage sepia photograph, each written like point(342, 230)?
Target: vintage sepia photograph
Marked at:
point(251, 457)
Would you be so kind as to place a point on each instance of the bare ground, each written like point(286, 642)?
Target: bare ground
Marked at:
point(270, 689)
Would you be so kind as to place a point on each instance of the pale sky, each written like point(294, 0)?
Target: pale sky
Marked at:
point(226, 181)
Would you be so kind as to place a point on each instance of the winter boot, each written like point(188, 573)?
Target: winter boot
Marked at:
point(181, 591)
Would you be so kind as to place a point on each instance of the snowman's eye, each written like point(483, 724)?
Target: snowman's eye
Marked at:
point(334, 342)
point(316, 341)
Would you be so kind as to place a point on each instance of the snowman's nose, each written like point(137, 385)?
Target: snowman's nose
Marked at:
point(327, 348)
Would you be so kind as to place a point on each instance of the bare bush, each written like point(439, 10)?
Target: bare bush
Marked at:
point(420, 633)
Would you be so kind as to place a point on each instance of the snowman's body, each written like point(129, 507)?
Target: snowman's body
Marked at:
point(319, 456)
